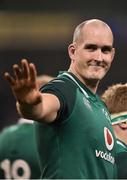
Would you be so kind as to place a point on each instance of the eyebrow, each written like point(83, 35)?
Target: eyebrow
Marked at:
point(107, 47)
point(94, 46)
point(90, 46)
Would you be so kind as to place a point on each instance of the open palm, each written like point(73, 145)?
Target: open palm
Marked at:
point(23, 82)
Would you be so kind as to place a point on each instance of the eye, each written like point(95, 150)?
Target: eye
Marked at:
point(91, 47)
point(125, 122)
point(106, 49)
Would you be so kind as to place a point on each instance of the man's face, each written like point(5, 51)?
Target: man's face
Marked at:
point(93, 54)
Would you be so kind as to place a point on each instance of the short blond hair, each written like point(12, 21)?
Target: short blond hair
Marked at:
point(115, 97)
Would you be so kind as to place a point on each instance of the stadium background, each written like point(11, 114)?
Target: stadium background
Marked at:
point(40, 30)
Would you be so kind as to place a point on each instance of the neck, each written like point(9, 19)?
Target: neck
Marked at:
point(89, 83)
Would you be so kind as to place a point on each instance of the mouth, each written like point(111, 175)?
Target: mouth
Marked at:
point(97, 64)
point(96, 67)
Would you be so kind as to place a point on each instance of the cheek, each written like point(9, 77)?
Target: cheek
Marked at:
point(82, 58)
point(108, 62)
point(81, 65)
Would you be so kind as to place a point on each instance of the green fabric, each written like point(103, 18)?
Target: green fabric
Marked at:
point(75, 147)
point(121, 160)
point(18, 157)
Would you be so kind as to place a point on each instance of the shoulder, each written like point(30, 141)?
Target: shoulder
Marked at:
point(65, 89)
point(58, 84)
point(121, 147)
point(12, 132)
point(7, 136)
point(62, 87)
point(9, 130)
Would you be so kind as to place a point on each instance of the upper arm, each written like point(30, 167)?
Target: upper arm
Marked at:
point(58, 100)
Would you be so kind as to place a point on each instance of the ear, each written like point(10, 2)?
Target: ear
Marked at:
point(71, 50)
point(113, 53)
point(123, 125)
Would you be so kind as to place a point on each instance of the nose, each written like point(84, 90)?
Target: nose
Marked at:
point(99, 55)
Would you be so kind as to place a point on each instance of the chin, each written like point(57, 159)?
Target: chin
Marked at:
point(96, 77)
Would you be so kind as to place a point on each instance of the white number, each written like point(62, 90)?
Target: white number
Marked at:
point(5, 165)
point(11, 170)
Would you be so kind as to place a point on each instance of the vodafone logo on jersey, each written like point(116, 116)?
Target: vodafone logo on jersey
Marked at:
point(109, 141)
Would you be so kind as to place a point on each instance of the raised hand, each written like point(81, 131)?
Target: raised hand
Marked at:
point(23, 83)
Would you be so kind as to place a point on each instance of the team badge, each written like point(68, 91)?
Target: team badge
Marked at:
point(109, 141)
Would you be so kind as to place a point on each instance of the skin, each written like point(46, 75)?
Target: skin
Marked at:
point(91, 55)
point(120, 131)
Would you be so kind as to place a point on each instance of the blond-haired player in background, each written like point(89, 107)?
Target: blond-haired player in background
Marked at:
point(115, 98)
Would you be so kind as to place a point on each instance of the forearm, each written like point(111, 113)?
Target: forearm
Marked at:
point(45, 109)
point(30, 111)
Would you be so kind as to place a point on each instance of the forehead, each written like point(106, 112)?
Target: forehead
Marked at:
point(97, 33)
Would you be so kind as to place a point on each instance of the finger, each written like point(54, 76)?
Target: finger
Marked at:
point(9, 78)
point(33, 72)
point(17, 72)
point(25, 68)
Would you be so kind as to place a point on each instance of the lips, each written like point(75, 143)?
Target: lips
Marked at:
point(97, 64)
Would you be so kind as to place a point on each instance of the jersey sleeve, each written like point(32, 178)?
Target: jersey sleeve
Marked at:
point(65, 91)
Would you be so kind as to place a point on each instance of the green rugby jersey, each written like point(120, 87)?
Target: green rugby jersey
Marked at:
point(121, 159)
point(18, 159)
point(80, 143)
